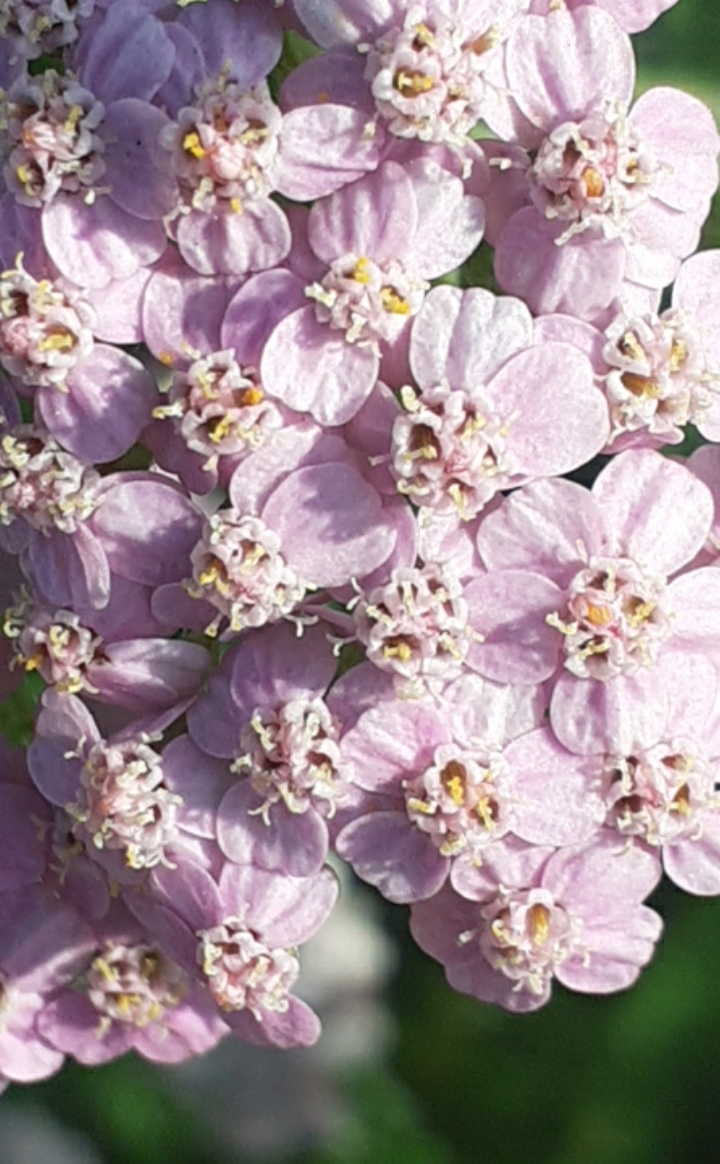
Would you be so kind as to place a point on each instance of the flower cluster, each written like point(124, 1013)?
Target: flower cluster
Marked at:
point(291, 525)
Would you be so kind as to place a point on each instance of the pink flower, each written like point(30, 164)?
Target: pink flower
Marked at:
point(486, 391)
point(608, 599)
point(264, 711)
point(238, 936)
point(39, 27)
point(379, 240)
point(112, 790)
point(44, 945)
point(574, 915)
point(610, 195)
point(131, 996)
point(428, 72)
point(432, 788)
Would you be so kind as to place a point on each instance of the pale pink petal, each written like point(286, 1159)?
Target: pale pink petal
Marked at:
point(694, 862)
point(331, 524)
point(695, 603)
point(94, 244)
point(376, 216)
point(450, 224)
point(508, 610)
point(313, 369)
point(557, 417)
point(658, 512)
point(555, 801)
point(550, 95)
point(107, 404)
point(590, 716)
point(683, 134)
point(234, 244)
point(464, 337)
point(387, 851)
point(580, 276)
point(540, 528)
point(325, 147)
point(256, 309)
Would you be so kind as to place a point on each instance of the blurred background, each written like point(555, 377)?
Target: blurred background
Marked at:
point(408, 1072)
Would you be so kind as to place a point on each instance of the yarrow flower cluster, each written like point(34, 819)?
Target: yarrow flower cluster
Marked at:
point(292, 530)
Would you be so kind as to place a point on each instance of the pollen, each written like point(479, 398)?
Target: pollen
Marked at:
point(598, 615)
point(360, 272)
point(483, 44)
point(681, 801)
point(393, 302)
point(412, 84)
point(629, 346)
point(219, 431)
point(678, 355)
point(192, 145)
point(593, 182)
point(397, 650)
point(57, 341)
point(641, 386)
point(454, 778)
point(252, 396)
point(539, 923)
point(423, 36)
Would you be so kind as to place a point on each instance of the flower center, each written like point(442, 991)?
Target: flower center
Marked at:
point(56, 645)
point(526, 936)
point(133, 984)
point(660, 794)
point(219, 408)
point(225, 147)
point(427, 81)
point(42, 483)
point(239, 569)
point(458, 801)
point(50, 138)
point(618, 618)
point(40, 26)
point(292, 755)
point(123, 805)
point(658, 380)
point(44, 330)
point(416, 626)
point(449, 452)
point(369, 302)
point(243, 973)
point(592, 174)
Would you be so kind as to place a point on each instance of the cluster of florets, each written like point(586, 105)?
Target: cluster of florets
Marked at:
point(292, 532)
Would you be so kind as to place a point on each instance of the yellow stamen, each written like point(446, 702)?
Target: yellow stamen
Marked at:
point(593, 182)
point(453, 777)
point(59, 341)
point(393, 302)
point(640, 386)
point(598, 615)
point(678, 355)
point(192, 145)
point(397, 650)
point(360, 271)
point(539, 918)
point(412, 84)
